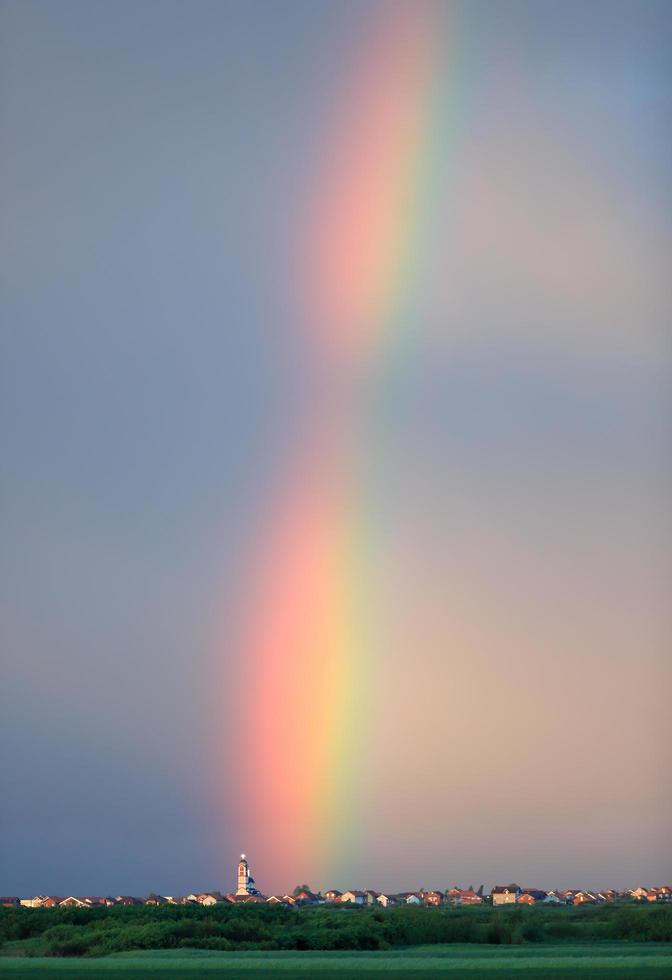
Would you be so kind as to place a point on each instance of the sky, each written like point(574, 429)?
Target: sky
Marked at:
point(335, 415)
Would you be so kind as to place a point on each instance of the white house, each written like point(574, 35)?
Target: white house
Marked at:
point(33, 903)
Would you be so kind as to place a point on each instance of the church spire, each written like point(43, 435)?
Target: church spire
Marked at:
point(246, 884)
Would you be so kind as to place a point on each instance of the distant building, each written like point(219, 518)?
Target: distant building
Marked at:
point(463, 896)
point(470, 897)
point(355, 897)
point(206, 898)
point(505, 894)
point(566, 896)
point(246, 885)
point(332, 895)
point(581, 897)
point(33, 903)
point(432, 898)
point(536, 893)
point(305, 897)
point(245, 899)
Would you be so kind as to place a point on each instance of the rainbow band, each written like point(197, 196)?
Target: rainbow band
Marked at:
point(311, 635)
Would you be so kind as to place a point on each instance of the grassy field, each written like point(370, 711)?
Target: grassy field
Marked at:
point(610, 961)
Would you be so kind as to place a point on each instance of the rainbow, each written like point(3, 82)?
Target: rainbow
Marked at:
point(310, 638)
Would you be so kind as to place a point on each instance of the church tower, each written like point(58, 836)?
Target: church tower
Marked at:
point(245, 880)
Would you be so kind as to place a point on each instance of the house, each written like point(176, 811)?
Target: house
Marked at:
point(639, 894)
point(355, 897)
point(72, 902)
point(155, 899)
point(433, 898)
point(209, 898)
point(9, 901)
point(127, 900)
point(387, 901)
point(305, 897)
point(581, 897)
point(536, 893)
point(462, 896)
point(277, 900)
point(411, 898)
point(526, 899)
point(32, 903)
point(332, 895)
point(566, 896)
point(50, 902)
point(552, 898)
point(663, 893)
point(371, 896)
point(505, 894)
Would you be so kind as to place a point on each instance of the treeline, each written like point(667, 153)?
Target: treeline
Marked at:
point(99, 931)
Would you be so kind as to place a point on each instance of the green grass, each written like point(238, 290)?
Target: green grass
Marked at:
point(609, 961)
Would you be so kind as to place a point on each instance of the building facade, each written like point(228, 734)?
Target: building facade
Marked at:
point(246, 884)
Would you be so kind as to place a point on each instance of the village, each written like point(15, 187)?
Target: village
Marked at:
point(247, 892)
